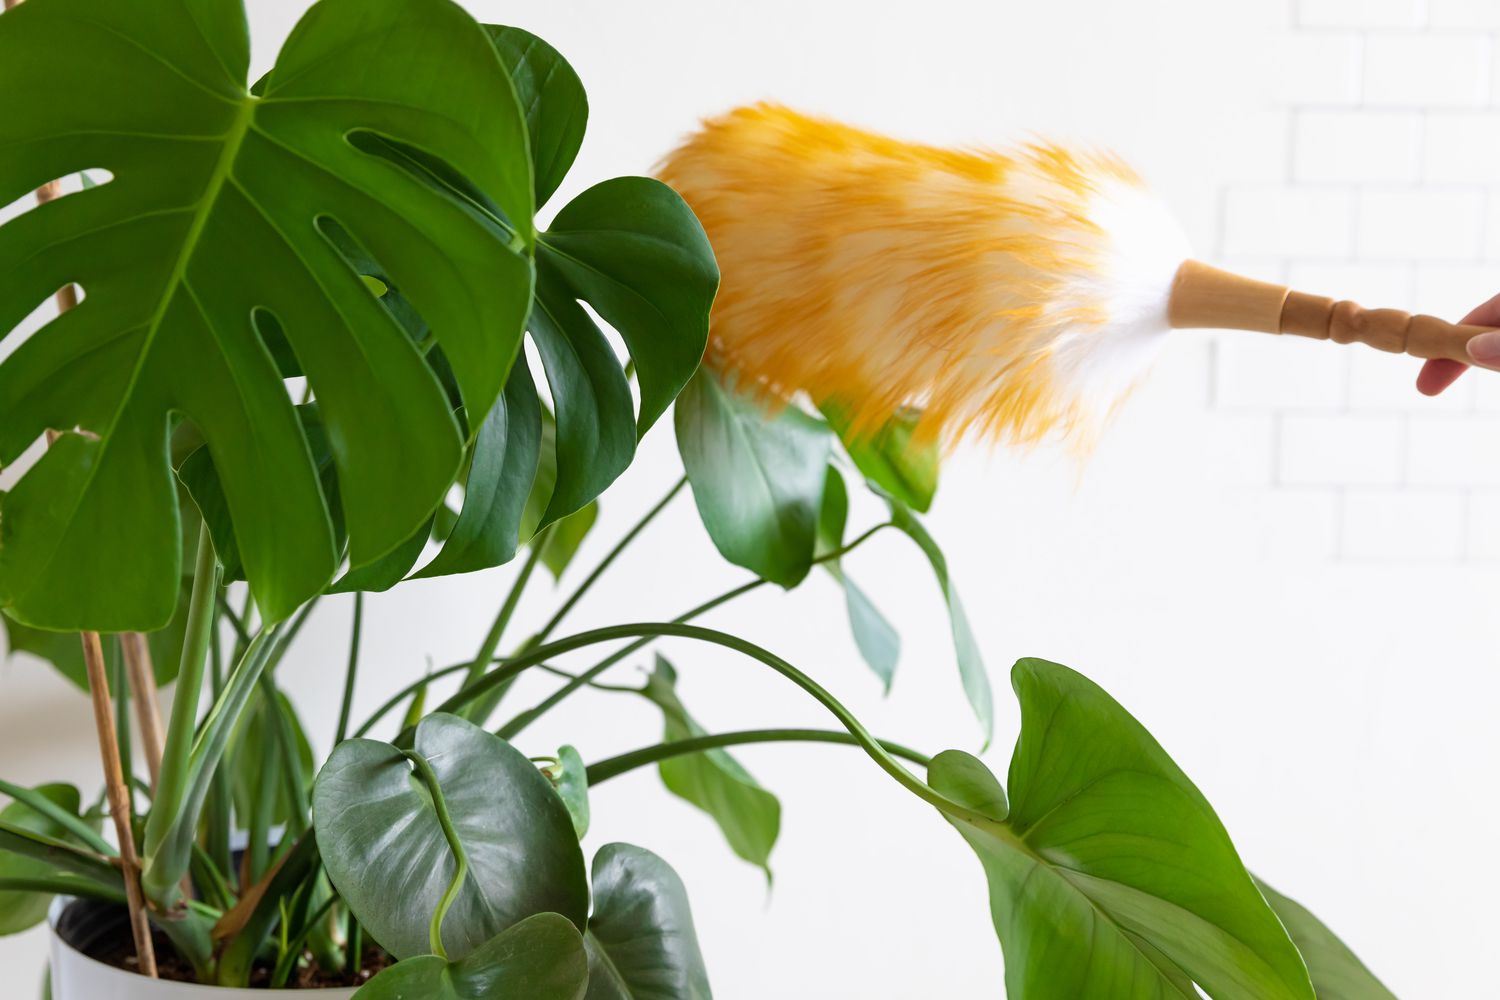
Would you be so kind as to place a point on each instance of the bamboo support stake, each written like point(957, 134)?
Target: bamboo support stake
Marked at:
point(143, 692)
point(118, 794)
point(116, 791)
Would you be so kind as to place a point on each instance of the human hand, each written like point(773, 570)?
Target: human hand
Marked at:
point(1484, 351)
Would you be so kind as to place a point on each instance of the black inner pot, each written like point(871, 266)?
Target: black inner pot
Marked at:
point(93, 927)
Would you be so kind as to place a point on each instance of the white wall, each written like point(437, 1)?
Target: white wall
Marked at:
point(1282, 559)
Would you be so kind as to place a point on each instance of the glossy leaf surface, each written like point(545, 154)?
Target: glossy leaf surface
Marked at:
point(384, 848)
point(1109, 873)
point(757, 476)
point(215, 227)
point(890, 456)
point(539, 958)
point(641, 941)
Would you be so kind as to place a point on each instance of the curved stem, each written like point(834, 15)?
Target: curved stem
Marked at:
point(349, 674)
point(609, 559)
point(491, 643)
point(430, 779)
point(861, 735)
point(613, 767)
point(512, 728)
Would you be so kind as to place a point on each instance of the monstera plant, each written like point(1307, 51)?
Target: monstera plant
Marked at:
point(290, 366)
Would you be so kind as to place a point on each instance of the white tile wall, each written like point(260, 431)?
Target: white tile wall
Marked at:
point(1389, 195)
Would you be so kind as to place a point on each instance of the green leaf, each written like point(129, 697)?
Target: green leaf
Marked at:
point(539, 958)
point(570, 780)
point(641, 941)
point(553, 99)
point(569, 776)
point(890, 456)
point(501, 472)
point(566, 536)
point(971, 670)
point(1337, 973)
point(757, 476)
point(523, 856)
point(879, 645)
point(20, 910)
point(631, 248)
point(64, 651)
point(594, 432)
point(1109, 873)
point(747, 814)
point(207, 235)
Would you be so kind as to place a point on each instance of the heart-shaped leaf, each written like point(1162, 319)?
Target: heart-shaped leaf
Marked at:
point(570, 777)
point(641, 941)
point(385, 851)
point(539, 958)
point(748, 815)
point(757, 476)
point(971, 670)
point(1337, 973)
point(215, 226)
point(1109, 873)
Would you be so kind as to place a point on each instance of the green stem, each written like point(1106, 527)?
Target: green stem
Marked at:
point(295, 947)
point(349, 674)
point(57, 814)
point(435, 789)
point(608, 560)
point(615, 766)
point(172, 784)
point(862, 736)
point(60, 885)
point(514, 727)
point(491, 643)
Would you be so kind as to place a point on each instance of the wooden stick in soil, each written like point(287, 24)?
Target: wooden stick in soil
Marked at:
point(118, 794)
point(143, 693)
point(115, 789)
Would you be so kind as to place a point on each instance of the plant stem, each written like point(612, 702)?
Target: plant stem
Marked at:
point(172, 786)
point(862, 736)
point(609, 559)
point(512, 728)
point(440, 805)
point(615, 766)
point(359, 612)
point(119, 801)
point(142, 677)
point(491, 643)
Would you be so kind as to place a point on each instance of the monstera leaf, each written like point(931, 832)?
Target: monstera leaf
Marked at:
point(1109, 874)
point(641, 942)
point(631, 250)
point(214, 249)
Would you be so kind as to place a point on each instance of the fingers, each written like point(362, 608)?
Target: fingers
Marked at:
point(1438, 375)
point(1483, 349)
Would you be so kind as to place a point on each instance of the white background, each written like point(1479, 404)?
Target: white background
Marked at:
point(1281, 559)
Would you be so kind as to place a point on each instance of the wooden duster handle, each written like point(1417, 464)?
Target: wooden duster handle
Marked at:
point(1206, 297)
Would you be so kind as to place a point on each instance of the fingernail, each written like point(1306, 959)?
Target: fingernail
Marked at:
point(1485, 349)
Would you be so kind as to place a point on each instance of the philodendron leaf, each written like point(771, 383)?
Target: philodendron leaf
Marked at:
point(19, 909)
point(1109, 874)
point(874, 636)
point(65, 653)
point(748, 815)
point(539, 958)
point(890, 456)
point(563, 541)
point(757, 476)
point(641, 941)
point(971, 670)
point(213, 227)
point(384, 848)
point(570, 778)
point(1337, 973)
point(553, 99)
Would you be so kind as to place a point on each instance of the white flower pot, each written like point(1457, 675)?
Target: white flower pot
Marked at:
point(75, 976)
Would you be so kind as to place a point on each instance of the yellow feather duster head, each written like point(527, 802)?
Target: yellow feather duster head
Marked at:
point(1012, 294)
